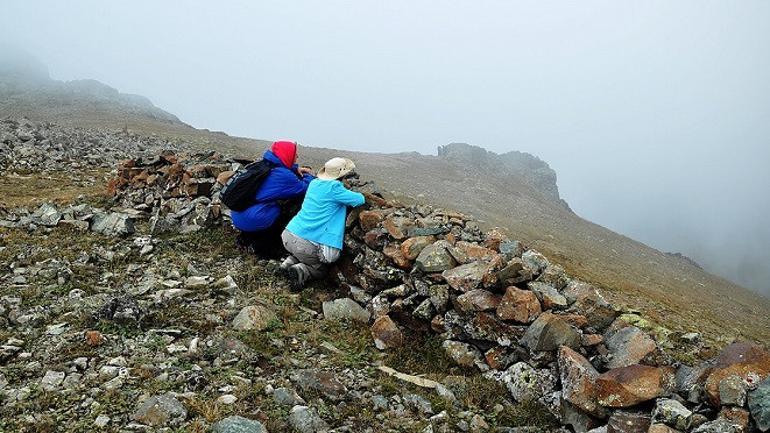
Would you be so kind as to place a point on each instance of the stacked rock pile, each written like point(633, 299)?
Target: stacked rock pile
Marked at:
point(508, 311)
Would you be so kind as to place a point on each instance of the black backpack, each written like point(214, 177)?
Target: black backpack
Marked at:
point(239, 191)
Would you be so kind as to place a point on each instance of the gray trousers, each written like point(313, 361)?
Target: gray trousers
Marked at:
point(309, 257)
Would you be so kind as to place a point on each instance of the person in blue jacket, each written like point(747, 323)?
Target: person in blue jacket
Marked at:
point(314, 236)
point(277, 200)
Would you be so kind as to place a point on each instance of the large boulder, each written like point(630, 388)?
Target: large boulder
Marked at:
point(519, 305)
point(746, 360)
point(629, 386)
point(549, 332)
point(578, 379)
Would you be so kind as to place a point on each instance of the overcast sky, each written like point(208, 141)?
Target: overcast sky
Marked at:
point(655, 114)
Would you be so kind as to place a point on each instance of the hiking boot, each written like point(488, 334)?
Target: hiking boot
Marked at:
point(297, 275)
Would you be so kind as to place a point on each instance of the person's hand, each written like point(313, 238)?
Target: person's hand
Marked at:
point(305, 170)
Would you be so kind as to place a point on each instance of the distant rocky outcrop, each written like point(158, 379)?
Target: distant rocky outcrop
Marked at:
point(529, 169)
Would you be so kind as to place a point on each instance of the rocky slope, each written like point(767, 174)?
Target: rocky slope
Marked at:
point(134, 313)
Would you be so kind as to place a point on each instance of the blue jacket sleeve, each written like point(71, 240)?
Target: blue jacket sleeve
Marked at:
point(282, 184)
point(347, 197)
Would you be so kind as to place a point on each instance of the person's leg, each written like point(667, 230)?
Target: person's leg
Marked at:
point(308, 258)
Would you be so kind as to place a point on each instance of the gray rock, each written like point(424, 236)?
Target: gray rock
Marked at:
point(160, 410)
point(435, 258)
point(759, 405)
point(238, 424)
point(112, 224)
point(550, 331)
point(732, 391)
point(287, 397)
point(719, 425)
point(628, 346)
point(465, 355)
point(306, 420)
point(52, 380)
point(672, 413)
point(345, 309)
point(534, 260)
point(49, 215)
point(418, 404)
point(254, 317)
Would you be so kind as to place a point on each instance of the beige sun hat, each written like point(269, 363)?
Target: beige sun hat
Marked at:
point(336, 168)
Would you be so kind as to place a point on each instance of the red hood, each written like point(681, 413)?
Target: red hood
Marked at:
point(286, 151)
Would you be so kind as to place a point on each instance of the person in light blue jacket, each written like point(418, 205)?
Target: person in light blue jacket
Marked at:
point(314, 236)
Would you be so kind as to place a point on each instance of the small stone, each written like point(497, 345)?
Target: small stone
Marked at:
point(418, 404)
point(345, 309)
point(519, 306)
point(661, 428)
point(719, 425)
point(254, 317)
point(370, 219)
point(526, 383)
point(196, 282)
point(94, 338)
point(386, 333)
point(287, 397)
point(227, 399)
point(478, 424)
point(323, 382)
point(112, 224)
point(52, 380)
point(306, 420)
point(671, 412)
point(101, 421)
point(160, 410)
point(238, 424)
point(534, 260)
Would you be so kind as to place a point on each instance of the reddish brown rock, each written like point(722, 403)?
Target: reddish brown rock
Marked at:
point(386, 333)
point(500, 358)
point(494, 265)
point(742, 359)
point(394, 253)
point(586, 300)
point(94, 338)
point(398, 227)
point(493, 238)
point(629, 386)
point(590, 340)
point(737, 416)
point(468, 252)
point(375, 239)
point(370, 219)
point(578, 378)
point(412, 247)
point(577, 320)
point(224, 177)
point(518, 305)
point(477, 300)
